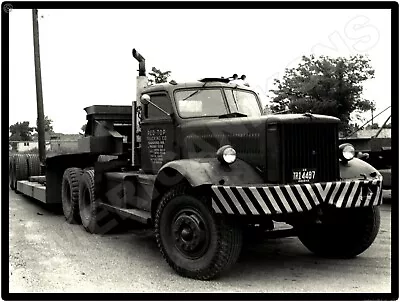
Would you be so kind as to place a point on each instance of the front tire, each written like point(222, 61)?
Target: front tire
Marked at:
point(343, 233)
point(193, 241)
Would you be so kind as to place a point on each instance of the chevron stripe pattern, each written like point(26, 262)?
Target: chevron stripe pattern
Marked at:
point(284, 199)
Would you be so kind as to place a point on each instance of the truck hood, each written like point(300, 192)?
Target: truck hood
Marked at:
point(264, 119)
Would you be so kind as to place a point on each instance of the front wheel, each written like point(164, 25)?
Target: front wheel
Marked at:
point(193, 241)
point(342, 233)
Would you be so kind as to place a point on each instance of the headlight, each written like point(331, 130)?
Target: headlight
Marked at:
point(226, 155)
point(347, 152)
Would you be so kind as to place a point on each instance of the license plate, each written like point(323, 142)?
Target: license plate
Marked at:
point(303, 175)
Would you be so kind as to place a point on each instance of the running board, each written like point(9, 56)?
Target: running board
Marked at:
point(135, 214)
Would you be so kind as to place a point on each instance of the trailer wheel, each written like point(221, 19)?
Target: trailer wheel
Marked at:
point(94, 219)
point(193, 241)
point(343, 233)
point(33, 164)
point(70, 194)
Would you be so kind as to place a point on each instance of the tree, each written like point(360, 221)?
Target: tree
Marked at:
point(48, 127)
point(157, 76)
point(324, 85)
point(21, 132)
point(373, 126)
point(267, 110)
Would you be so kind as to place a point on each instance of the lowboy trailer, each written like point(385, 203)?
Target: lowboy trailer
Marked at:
point(201, 165)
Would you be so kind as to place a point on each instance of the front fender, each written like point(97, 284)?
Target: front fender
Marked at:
point(357, 168)
point(201, 171)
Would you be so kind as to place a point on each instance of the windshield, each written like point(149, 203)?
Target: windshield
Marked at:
point(243, 102)
point(200, 102)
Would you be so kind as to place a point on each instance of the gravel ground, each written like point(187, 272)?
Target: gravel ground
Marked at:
point(49, 255)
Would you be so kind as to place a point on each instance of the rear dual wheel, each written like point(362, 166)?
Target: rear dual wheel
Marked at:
point(80, 204)
point(95, 219)
point(70, 194)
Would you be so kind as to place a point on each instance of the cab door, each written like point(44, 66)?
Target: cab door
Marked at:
point(158, 134)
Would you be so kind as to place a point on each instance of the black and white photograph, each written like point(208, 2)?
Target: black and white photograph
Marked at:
point(200, 148)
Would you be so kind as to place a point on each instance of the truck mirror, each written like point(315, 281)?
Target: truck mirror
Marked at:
point(145, 99)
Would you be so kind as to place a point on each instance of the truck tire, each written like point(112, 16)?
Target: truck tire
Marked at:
point(193, 241)
point(33, 164)
point(70, 194)
point(95, 220)
point(343, 233)
point(21, 168)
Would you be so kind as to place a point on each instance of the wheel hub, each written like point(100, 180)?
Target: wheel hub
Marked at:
point(189, 233)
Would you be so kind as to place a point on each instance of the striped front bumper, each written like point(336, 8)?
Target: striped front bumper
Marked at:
point(283, 199)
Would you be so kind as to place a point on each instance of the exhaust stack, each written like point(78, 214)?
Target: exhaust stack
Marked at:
point(141, 83)
point(141, 60)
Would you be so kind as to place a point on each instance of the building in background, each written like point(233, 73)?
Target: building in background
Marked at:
point(24, 146)
point(64, 142)
point(385, 133)
point(56, 142)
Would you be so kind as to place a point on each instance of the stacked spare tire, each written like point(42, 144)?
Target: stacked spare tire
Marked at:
point(21, 167)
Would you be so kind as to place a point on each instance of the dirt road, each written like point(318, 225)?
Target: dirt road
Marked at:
point(49, 255)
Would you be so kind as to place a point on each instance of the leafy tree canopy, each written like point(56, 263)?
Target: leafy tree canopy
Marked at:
point(324, 85)
point(48, 127)
point(157, 76)
point(373, 126)
point(21, 132)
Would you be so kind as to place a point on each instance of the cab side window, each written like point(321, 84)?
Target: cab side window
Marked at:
point(161, 100)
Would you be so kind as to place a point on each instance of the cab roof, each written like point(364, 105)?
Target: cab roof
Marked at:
point(170, 88)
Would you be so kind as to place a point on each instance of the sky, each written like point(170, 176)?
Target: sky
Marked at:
point(86, 55)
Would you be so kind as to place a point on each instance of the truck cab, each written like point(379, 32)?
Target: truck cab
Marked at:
point(164, 133)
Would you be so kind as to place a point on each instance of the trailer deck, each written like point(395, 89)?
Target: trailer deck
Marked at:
point(32, 189)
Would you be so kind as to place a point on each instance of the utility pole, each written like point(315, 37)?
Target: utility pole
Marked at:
point(39, 93)
point(372, 116)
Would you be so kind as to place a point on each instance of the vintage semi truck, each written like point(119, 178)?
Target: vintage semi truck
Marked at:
point(200, 164)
